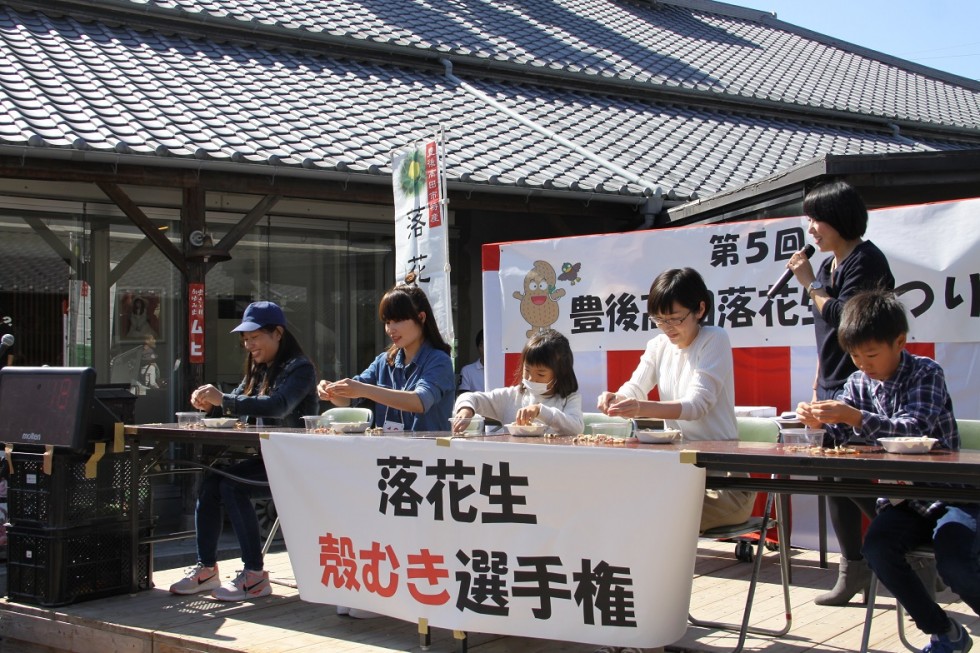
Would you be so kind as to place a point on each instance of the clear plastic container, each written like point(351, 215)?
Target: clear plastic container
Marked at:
point(190, 420)
point(317, 423)
point(613, 429)
point(467, 426)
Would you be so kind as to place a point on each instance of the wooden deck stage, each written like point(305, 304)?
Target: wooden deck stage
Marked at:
point(157, 622)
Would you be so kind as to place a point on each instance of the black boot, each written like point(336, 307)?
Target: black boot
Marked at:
point(854, 576)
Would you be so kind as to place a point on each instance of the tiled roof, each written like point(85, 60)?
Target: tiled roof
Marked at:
point(690, 45)
point(136, 92)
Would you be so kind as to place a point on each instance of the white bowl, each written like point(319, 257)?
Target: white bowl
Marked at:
point(220, 422)
point(908, 444)
point(657, 436)
point(526, 429)
point(350, 427)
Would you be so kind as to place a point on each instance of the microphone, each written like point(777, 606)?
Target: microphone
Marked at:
point(788, 274)
point(6, 343)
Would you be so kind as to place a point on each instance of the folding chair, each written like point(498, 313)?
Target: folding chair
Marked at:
point(969, 430)
point(756, 429)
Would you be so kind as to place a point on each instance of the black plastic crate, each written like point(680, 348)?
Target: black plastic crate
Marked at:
point(65, 498)
point(57, 566)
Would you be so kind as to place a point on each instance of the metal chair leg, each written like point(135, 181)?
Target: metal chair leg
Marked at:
point(744, 628)
point(869, 616)
point(272, 535)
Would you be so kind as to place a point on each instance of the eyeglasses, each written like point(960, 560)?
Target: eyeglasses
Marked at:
point(671, 322)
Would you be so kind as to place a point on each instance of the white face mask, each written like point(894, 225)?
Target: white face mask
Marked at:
point(536, 387)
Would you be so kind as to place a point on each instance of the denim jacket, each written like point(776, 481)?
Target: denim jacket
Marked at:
point(291, 396)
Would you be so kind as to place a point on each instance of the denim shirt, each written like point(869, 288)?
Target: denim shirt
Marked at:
point(430, 375)
point(292, 395)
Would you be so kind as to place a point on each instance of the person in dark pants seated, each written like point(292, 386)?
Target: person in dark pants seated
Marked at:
point(897, 394)
point(278, 389)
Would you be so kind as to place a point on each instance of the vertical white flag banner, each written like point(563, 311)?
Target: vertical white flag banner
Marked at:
point(421, 229)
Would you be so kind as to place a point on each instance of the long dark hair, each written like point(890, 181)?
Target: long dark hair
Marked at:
point(549, 348)
point(259, 377)
point(405, 302)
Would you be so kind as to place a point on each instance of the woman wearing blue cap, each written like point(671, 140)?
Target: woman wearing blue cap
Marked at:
point(278, 389)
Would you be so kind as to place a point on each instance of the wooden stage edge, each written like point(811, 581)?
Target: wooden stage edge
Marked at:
point(154, 621)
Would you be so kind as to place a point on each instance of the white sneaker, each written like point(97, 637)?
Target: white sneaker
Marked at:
point(343, 609)
point(247, 585)
point(198, 579)
point(357, 613)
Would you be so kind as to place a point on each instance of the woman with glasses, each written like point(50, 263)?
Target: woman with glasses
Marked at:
point(690, 364)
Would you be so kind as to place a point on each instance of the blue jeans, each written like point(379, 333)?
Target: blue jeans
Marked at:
point(957, 543)
point(897, 530)
point(218, 490)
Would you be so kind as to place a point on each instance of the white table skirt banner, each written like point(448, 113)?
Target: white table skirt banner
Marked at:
point(574, 543)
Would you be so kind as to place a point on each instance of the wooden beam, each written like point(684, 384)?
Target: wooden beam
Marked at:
point(247, 223)
point(251, 181)
point(135, 254)
point(144, 224)
point(53, 241)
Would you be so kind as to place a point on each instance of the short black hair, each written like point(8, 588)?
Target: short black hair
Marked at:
point(838, 204)
point(681, 285)
point(479, 337)
point(871, 316)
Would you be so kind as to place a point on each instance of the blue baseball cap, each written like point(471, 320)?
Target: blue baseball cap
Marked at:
point(261, 314)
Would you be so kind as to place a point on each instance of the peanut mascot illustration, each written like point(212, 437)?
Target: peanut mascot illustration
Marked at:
point(539, 301)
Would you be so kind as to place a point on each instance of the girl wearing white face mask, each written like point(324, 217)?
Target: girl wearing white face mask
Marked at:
point(545, 389)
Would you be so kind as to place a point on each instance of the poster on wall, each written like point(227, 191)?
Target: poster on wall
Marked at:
point(138, 315)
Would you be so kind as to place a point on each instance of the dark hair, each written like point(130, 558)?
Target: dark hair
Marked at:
point(140, 303)
point(259, 377)
point(479, 337)
point(549, 348)
point(871, 316)
point(840, 206)
point(683, 286)
point(405, 302)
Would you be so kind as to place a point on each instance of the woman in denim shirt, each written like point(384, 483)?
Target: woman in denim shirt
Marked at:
point(278, 389)
point(412, 383)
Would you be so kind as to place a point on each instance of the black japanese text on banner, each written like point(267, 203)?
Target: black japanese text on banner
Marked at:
point(421, 228)
point(490, 536)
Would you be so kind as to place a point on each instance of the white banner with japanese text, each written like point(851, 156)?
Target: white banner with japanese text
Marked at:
point(573, 543)
point(594, 290)
point(422, 228)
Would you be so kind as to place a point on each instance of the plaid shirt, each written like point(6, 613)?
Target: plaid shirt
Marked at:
point(913, 402)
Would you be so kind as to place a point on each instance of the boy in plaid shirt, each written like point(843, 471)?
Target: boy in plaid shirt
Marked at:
point(896, 394)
